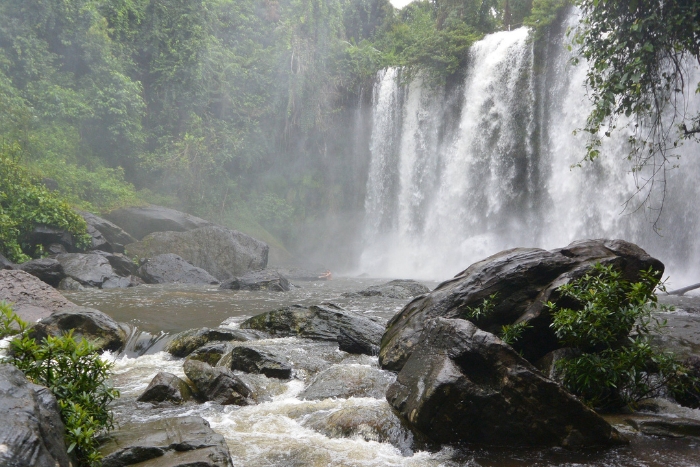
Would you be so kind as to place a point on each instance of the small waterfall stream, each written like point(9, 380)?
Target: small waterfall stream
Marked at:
point(442, 194)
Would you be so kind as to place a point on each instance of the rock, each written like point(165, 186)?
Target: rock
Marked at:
point(666, 426)
point(32, 298)
point(524, 279)
point(187, 342)
point(6, 263)
point(258, 280)
point(31, 432)
point(97, 241)
point(690, 397)
point(255, 360)
point(91, 270)
point(47, 235)
point(211, 353)
point(376, 422)
point(166, 387)
point(70, 284)
point(348, 381)
point(56, 249)
point(114, 236)
point(548, 364)
point(222, 252)
point(464, 385)
point(218, 384)
point(172, 442)
point(320, 322)
point(301, 274)
point(399, 289)
point(140, 221)
point(122, 265)
point(47, 269)
point(93, 325)
point(170, 268)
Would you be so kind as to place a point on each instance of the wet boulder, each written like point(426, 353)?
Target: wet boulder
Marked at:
point(172, 442)
point(399, 289)
point(106, 236)
point(265, 279)
point(211, 353)
point(140, 221)
point(31, 432)
point(258, 361)
point(218, 384)
point(371, 422)
point(170, 268)
point(121, 264)
point(32, 298)
point(522, 280)
point(6, 263)
point(47, 236)
point(321, 322)
point(222, 252)
point(464, 385)
point(188, 341)
point(47, 269)
point(166, 387)
point(90, 270)
point(345, 381)
point(87, 323)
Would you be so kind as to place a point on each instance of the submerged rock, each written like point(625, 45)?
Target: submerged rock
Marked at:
point(348, 381)
point(399, 289)
point(166, 442)
point(321, 322)
point(218, 384)
point(48, 270)
point(222, 252)
point(166, 387)
point(170, 268)
point(188, 341)
point(31, 432)
point(92, 325)
point(524, 280)
point(266, 279)
point(464, 385)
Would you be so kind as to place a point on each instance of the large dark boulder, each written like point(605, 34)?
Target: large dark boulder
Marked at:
point(140, 221)
point(92, 325)
point(31, 432)
point(348, 381)
point(32, 298)
point(170, 268)
point(222, 252)
point(188, 341)
point(524, 280)
point(121, 264)
point(321, 322)
point(266, 279)
point(399, 289)
point(464, 385)
point(48, 270)
point(172, 442)
point(6, 263)
point(106, 235)
point(166, 387)
point(47, 235)
point(91, 270)
point(259, 361)
point(218, 384)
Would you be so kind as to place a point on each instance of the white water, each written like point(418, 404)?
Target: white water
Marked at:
point(442, 196)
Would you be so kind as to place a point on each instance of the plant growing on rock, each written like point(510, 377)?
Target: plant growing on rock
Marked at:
point(509, 333)
point(72, 369)
point(610, 331)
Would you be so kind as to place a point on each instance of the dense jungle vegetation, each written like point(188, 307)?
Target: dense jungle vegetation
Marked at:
point(236, 110)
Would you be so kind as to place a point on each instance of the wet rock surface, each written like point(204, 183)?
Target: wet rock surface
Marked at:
point(48, 270)
point(140, 221)
point(218, 384)
point(222, 252)
point(187, 342)
point(173, 442)
point(170, 268)
point(31, 432)
point(348, 381)
point(87, 323)
point(6, 263)
point(523, 279)
point(90, 270)
point(257, 360)
point(321, 322)
point(106, 235)
point(464, 385)
point(211, 353)
point(166, 387)
point(33, 298)
point(399, 289)
point(266, 279)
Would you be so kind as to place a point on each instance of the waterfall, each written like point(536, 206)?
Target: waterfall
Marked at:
point(445, 191)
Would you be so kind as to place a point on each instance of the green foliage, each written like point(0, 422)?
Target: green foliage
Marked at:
point(639, 55)
point(486, 309)
point(10, 323)
point(76, 375)
point(510, 333)
point(545, 12)
point(610, 331)
point(25, 203)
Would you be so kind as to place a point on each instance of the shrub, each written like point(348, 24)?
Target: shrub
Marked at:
point(610, 330)
point(75, 374)
point(24, 203)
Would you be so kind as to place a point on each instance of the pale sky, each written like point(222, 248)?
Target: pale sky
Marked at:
point(400, 3)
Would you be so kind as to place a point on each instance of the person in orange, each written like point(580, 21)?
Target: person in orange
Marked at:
point(326, 275)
